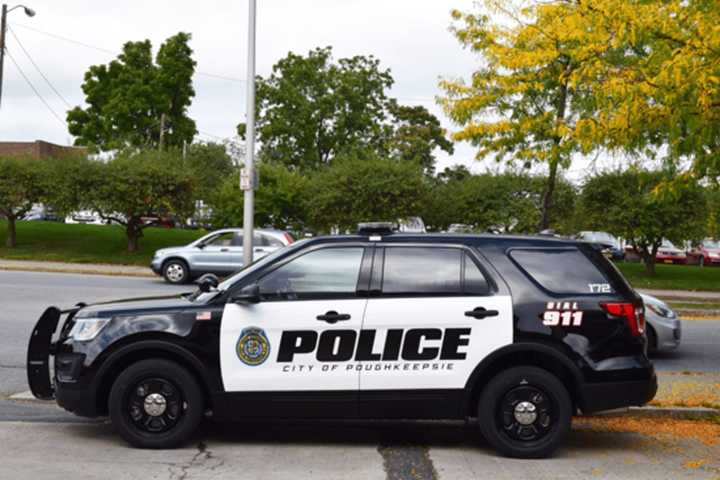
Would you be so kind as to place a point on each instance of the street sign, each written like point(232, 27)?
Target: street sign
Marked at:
point(246, 183)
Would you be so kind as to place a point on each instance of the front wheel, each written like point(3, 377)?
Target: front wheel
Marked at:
point(525, 412)
point(156, 404)
point(176, 272)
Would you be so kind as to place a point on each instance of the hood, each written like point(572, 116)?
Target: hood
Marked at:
point(170, 250)
point(134, 306)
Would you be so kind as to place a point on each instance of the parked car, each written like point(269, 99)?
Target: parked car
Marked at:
point(605, 242)
point(518, 333)
point(669, 253)
point(41, 213)
point(86, 217)
point(219, 252)
point(664, 329)
point(706, 253)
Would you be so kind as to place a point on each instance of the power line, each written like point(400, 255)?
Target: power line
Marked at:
point(211, 135)
point(114, 53)
point(27, 80)
point(27, 54)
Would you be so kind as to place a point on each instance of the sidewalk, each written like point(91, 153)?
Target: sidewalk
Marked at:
point(83, 268)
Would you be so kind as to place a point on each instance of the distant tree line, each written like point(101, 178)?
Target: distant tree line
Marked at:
point(643, 207)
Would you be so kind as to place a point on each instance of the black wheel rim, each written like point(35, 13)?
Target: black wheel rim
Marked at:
point(154, 405)
point(526, 414)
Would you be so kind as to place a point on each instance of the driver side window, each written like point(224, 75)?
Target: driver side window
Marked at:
point(222, 240)
point(328, 272)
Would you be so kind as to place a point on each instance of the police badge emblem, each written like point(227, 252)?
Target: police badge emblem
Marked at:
point(253, 346)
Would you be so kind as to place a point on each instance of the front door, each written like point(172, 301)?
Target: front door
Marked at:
point(221, 254)
point(288, 352)
point(434, 318)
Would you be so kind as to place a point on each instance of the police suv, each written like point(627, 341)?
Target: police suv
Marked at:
point(519, 333)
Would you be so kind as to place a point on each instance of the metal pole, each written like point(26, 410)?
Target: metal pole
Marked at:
point(249, 207)
point(3, 26)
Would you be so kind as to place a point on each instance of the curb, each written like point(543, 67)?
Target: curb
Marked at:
point(663, 412)
point(79, 270)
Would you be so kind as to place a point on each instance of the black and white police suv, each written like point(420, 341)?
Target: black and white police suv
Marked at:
point(519, 333)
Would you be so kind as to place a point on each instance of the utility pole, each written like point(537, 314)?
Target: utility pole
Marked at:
point(247, 176)
point(3, 27)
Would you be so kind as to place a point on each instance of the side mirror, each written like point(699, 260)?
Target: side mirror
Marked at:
point(249, 294)
point(208, 283)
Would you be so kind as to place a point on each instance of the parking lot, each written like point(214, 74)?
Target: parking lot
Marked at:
point(41, 440)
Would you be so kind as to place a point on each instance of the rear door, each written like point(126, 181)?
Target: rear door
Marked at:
point(433, 315)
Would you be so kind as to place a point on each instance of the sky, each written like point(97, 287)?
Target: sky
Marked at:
point(410, 37)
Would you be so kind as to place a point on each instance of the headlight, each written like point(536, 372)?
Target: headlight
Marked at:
point(85, 329)
point(660, 310)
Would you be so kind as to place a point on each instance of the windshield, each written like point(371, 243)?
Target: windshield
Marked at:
point(667, 244)
point(711, 244)
point(230, 281)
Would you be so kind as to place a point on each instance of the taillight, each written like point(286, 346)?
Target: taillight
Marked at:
point(634, 315)
point(288, 238)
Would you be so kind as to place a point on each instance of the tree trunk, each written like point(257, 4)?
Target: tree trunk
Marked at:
point(649, 261)
point(11, 238)
point(548, 197)
point(560, 107)
point(133, 232)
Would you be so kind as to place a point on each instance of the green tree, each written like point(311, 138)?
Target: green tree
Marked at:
point(311, 108)
point(21, 185)
point(360, 187)
point(134, 186)
point(645, 207)
point(69, 182)
point(210, 165)
point(132, 97)
point(279, 202)
point(520, 107)
point(416, 135)
point(505, 202)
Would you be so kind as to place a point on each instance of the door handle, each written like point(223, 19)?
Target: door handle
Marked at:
point(224, 249)
point(333, 317)
point(480, 313)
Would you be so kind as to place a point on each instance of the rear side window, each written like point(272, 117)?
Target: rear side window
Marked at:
point(563, 271)
point(431, 270)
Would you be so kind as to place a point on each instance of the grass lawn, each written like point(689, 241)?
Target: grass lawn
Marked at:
point(53, 241)
point(672, 277)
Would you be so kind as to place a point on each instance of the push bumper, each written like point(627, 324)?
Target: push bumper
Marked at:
point(64, 385)
point(596, 397)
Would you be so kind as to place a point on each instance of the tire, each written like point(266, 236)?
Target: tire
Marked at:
point(176, 271)
point(652, 340)
point(520, 386)
point(182, 397)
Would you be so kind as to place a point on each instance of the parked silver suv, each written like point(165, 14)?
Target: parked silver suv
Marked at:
point(219, 252)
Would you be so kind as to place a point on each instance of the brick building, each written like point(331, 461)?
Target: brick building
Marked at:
point(38, 149)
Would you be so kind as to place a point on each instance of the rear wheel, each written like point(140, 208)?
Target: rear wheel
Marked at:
point(156, 404)
point(525, 412)
point(176, 271)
